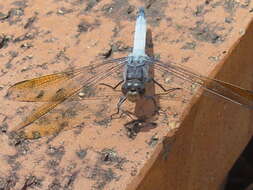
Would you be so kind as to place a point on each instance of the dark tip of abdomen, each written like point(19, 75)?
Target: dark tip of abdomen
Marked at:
point(141, 12)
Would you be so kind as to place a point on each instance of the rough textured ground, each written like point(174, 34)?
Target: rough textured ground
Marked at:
point(42, 37)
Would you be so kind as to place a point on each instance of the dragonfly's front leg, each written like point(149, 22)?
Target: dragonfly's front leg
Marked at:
point(166, 91)
point(113, 87)
point(121, 101)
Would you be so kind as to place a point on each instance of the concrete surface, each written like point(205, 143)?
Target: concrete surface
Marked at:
point(191, 145)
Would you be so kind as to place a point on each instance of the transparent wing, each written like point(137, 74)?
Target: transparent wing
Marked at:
point(219, 88)
point(56, 89)
point(70, 115)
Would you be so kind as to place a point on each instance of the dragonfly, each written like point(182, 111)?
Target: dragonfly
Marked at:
point(54, 89)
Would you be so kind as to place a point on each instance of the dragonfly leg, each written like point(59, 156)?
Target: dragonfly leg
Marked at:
point(113, 87)
point(121, 101)
point(164, 89)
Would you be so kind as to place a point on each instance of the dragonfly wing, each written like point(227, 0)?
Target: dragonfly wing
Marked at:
point(38, 89)
point(219, 88)
point(98, 92)
point(49, 87)
point(70, 115)
point(66, 90)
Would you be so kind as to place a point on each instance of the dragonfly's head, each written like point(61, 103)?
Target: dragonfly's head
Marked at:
point(133, 89)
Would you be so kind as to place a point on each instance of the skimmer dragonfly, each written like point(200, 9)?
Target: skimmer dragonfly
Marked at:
point(57, 88)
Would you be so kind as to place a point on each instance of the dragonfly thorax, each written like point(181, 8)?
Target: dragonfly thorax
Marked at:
point(133, 89)
point(138, 59)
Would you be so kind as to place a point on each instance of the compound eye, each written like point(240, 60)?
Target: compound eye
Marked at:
point(136, 84)
point(128, 84)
